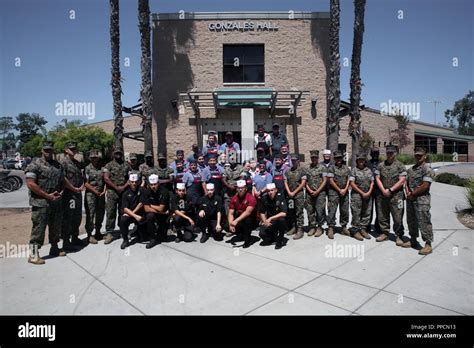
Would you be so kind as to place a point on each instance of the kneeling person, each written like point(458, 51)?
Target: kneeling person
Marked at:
point(210, 215)
point(273, 209)
point(132, 209)
point(241, 213)
point(184, 219)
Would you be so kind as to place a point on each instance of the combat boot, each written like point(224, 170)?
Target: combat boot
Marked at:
point(291, 231)
point(409, 243)
point(426, 249)
point(382, 238)
point(358, 236)
point(345, 231)
point(108, 238)
point(55, 251)
point(92, 240)
point(34, 257)
point(152, 243)
point(399, 241)
point(319, 232)
point(204, 237)
point(365, 234)
point(299, 233)
point(78, 242)
point(125, 244)
point(331, 233)
point(311, 232)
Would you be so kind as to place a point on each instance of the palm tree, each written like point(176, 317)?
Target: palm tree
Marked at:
point(355, 83)
point(145, 64)
point(116, 77)
point(334, 92)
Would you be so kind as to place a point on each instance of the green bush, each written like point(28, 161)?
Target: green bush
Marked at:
point(450, 179)
point(406, 159)
point(440, 157)
point(470, 193)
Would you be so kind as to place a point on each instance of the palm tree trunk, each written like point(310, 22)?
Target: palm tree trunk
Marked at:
point(116, 77)
point(334, 92)
point(355, 83)
point(145, 65)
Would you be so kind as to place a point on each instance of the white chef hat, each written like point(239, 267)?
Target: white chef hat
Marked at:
point(153, 179)
point(241, 183)
point(271, 186)
point(180, 186)
point(326, 152)
point(133, 177)
point(210, 186)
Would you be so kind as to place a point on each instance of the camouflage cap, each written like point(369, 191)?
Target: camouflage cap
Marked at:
point(314, 153)
point(132, 156)
point(361, 156)
point(48, 145)
point(420, 151)
point(118, 150)
point(71, 144)
point(338, 154)
point(391, 148)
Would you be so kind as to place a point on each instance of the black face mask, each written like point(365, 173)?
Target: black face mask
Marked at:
point(119, 159)
point(149, 161)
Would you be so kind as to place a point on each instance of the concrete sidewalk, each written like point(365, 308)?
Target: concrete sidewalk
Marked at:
point(311, 276)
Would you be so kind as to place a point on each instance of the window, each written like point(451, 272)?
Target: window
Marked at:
point(244, 63)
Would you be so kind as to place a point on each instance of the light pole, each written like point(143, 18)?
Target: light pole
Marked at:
point(434, 102)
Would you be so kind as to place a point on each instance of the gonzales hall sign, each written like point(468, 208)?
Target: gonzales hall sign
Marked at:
point(243, 26)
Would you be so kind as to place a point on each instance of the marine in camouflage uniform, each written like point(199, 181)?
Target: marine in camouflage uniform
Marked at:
point(419, 179)
point(164, 172)
point(316, 195)
point(338, 195)
point(295, 181)
point(94, 197)
point(373, 164)
point(229, 180)
point(45, 180)
point(147, 168)
point(134, 167)
point(116, 178)
point(390, 176)
point(361, 178)
point(72, 198)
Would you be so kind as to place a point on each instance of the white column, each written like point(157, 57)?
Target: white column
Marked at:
point(247, 124)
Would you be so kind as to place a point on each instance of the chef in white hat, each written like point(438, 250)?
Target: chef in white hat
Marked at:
point(209, 217)
point(184, 214)
point(132, 209)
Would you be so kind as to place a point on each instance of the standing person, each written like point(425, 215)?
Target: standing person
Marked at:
point(165, 173)
point(132, 210)
point(195, 153)
point(261, 159)
point(362, 183)
point(147, 168)
point(326, 158)
point(373, 164)
point(273, 210)
point(72, 198)
point(316, 195)
point(45, 181)
point(179, 157)
point(192, 180)
point(285, 155)
point(338, 194)
point(260, 182)
point(278, 139)
point(419, 179)
point(156, 206)
point(241, 215)
point(212, 174)
point(184, 215)
point(209, 218)
point(200, 163)
point(229, 179)
point(178, 174)
point(134, 166)
point(263, 140)
point(230, 148)
point(116, 179)
point(295, 181)
point(390, 176)
point(211, 148)
point(278, 174)
point(94, 198)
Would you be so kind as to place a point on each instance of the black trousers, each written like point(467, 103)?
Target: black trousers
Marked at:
point(210, 224)
point(159, 233)
point(275, 232)
point(184, 228)
point(124, 224)
point(244, 228)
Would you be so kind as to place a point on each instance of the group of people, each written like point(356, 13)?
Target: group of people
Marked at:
point(211, 194)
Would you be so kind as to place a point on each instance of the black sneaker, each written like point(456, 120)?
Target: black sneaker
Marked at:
point(78, 242)
point(278, 246)
point(247, 244)
point(125, 244)
point(152, 243)
point(265, 243)
point(204, 237)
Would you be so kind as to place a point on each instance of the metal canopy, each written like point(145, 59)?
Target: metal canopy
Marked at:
point(236, 98)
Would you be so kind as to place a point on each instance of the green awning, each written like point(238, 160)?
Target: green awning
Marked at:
point(244, 97)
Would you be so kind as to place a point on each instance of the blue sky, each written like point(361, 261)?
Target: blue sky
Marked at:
point(403, 60)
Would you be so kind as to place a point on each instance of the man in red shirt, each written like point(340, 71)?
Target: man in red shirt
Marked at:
point(242, 213)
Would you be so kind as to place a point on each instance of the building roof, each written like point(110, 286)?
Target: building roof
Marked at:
point(444, 135)
point(239, 15)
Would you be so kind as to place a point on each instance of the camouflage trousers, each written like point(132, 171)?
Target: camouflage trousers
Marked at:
point(295, 217)
point(95, 211)
point(46, 216)
point(72, 214)
point(360, 209)
point(393, 206)
point(112, 206)
point(419, 218)
point(335, 200)
point(316, 208)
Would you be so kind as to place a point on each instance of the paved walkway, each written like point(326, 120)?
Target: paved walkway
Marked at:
point(311, 276)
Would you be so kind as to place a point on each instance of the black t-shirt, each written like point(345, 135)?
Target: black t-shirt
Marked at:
point(161, 196)
point(210, 206)
point(182, 204)
point(130, 199)
point(273, 207)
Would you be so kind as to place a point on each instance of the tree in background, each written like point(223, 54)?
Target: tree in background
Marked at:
point(32, 148)
point(366, 142)
point(6, 125)
point(29, 125)
point(400, 135)
point(462, 114)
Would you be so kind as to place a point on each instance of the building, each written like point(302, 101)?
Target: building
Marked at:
point(230, 71)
